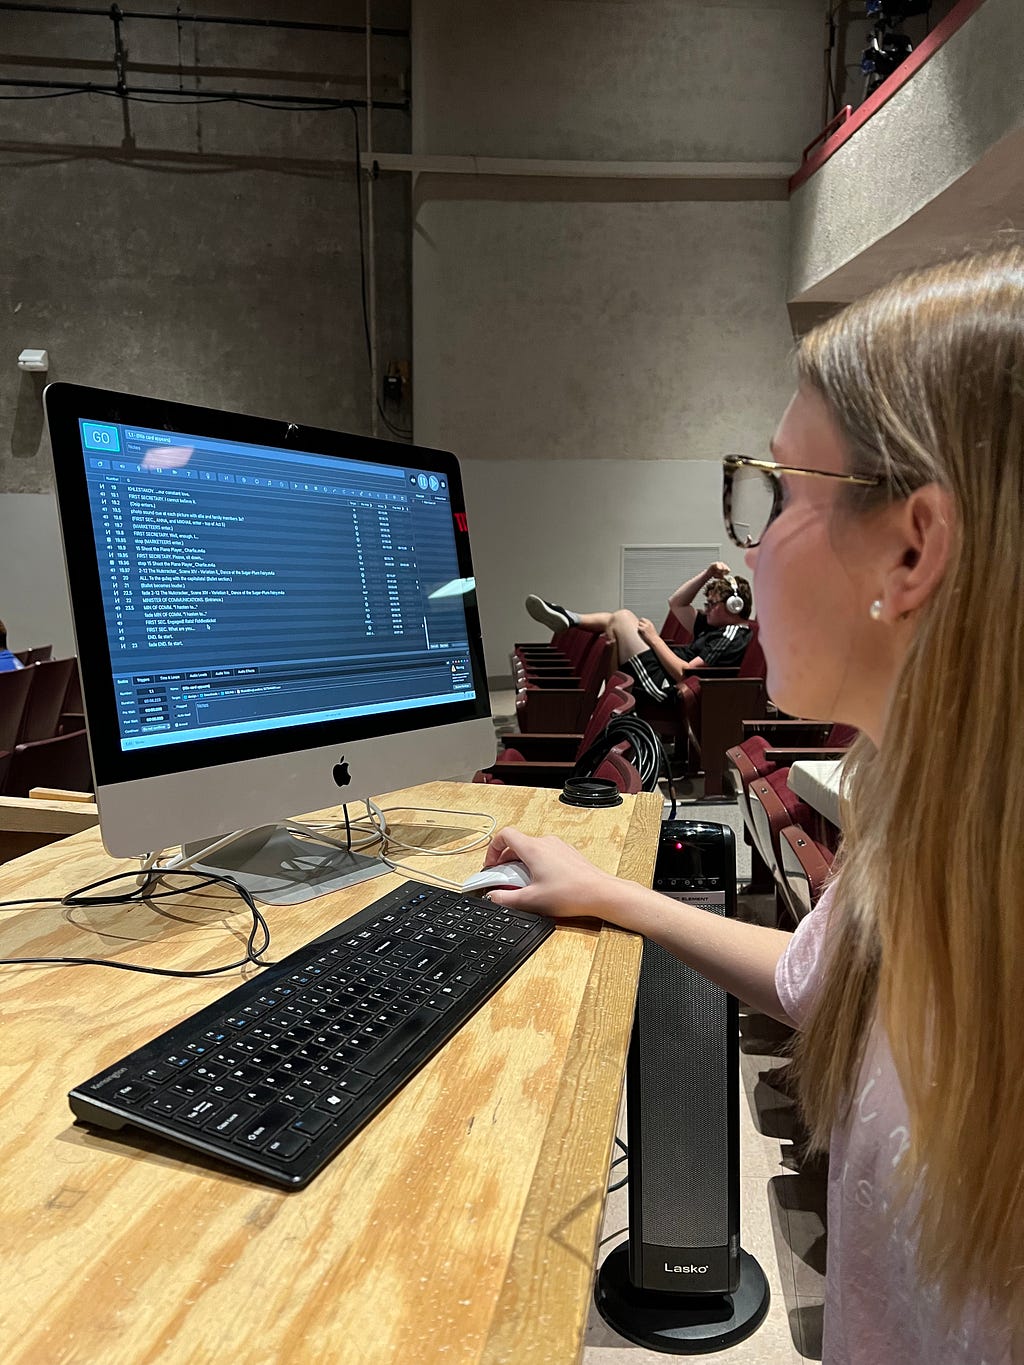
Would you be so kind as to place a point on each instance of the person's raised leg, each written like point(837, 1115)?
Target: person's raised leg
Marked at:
point(558, 618)
point(624, 629)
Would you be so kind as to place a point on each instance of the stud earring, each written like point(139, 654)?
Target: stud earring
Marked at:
point(875, 610)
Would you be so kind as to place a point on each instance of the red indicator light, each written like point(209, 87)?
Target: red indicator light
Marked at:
point(679, 846)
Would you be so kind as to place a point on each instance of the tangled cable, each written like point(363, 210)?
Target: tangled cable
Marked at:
point(649, 757)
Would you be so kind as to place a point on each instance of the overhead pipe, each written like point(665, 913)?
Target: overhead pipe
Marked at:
point(177, 95)
point(295, 25)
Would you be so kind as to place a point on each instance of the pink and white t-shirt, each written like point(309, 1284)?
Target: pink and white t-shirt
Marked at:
point(877, 1312)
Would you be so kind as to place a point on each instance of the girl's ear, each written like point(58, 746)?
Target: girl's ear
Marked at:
point(922, 541)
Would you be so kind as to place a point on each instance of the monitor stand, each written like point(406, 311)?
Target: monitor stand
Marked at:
point(277, 866)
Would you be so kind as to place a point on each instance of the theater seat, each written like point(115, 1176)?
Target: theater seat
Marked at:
point(530, 761)
point(805, 870)
point(557, 706)
point(774, 744)
point(62, 762)
point(617, 768)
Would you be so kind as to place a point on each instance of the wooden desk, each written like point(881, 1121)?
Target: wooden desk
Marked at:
point(460, 1225)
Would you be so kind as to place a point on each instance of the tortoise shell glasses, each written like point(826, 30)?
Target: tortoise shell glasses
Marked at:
point(752, 494)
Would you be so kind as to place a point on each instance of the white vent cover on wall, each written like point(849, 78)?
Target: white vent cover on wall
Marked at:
point(651, 574)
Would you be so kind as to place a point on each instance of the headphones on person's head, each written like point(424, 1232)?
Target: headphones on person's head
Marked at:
point(734, 603)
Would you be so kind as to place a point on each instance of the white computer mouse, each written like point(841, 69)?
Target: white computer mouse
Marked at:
point(512, 875)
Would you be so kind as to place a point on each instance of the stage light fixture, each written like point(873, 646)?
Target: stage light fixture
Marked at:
point(883, 54)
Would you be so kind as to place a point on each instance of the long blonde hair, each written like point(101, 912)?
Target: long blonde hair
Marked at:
point(925, 378)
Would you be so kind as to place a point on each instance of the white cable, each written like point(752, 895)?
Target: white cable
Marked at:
point(482, 838)
point(421, 876)
point(378, 833)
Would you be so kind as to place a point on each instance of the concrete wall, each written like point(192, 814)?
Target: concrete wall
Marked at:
point(201, 253)
point(591, 342)
point(934, 131)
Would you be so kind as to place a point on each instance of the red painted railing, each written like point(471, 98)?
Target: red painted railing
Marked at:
point(847, 121)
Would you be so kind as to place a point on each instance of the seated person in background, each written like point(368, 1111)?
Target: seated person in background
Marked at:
point(721, 633)
point(8, 661)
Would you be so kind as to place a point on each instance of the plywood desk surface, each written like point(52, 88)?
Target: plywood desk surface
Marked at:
point(460, 1225)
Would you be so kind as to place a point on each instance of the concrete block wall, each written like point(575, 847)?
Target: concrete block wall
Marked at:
point(203, 253)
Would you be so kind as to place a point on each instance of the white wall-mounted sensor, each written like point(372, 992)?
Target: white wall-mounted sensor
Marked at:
point(34, 360)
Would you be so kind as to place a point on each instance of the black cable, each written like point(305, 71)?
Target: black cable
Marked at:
point(404, 432)
point(79, 11)
point(618, 1162)
point(395, 431)
point(141, 895)
point(649, 759)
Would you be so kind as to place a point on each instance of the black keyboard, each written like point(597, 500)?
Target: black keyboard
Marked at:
point(277, 1075)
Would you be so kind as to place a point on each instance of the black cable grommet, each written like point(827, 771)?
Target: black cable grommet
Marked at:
point(590, 791)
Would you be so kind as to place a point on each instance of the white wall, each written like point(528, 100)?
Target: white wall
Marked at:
point(591, 345)
point(34, 597)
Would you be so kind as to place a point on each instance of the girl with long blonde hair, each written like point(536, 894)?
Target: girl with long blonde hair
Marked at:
point(886, 539)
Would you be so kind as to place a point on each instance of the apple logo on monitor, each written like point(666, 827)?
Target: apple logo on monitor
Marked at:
point(341, 773)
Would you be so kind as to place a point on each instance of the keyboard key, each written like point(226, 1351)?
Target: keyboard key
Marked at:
point(287, 1145)
point(134, 1092)
point(408, 1032)
point(260, 1095)
point(231, 1118)
point(300, 1095)
point(332, 1102)
point(160, 1072)
point(188, 1087)
point(167, 1103)
point(227, 1090)
point(352, 1083)
point(261, 1129)
point(200, 1111)
point(312, 1122)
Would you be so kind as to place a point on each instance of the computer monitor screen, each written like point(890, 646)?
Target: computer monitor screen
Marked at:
point(262, 611)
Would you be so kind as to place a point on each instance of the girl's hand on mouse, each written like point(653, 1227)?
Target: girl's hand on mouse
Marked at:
point(565, 884)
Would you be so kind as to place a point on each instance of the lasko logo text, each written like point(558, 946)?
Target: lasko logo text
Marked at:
point(686, 1269)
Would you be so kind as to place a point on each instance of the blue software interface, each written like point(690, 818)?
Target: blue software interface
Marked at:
point(248, 588)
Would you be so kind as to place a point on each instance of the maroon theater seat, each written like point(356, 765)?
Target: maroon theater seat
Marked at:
point(805, 870)
point(46, 695)
point(61, 762)
point(532, 761)
point(14, 690)
point(616, 767)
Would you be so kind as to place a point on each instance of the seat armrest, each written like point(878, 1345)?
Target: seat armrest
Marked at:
point(545, 710)
point(723, 704)
point(788, 732)
point(544, 748)
point(785, 757)
point(712, 671)
point(527, 774)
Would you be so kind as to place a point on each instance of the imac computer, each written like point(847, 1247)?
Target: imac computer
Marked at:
point(270, 619)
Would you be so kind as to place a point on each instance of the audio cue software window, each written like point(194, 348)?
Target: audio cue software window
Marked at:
point(247, 588)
